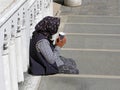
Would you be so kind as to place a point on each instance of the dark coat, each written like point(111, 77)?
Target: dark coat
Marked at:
point(38, 63)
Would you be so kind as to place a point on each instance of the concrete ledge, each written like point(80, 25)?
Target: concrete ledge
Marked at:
point(30, 83)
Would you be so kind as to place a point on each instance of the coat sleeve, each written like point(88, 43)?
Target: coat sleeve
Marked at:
point(43, 46)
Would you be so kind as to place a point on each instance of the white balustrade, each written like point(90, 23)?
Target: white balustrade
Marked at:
point(16, 28)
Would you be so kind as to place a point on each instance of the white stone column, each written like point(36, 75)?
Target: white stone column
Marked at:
point(44, 6)
point(41, 10)
point(12, 56)
point(39, 14)
point(27, 24)
point(48, 8)
point(24, 42)
point(2, 78)
point(18, 44)
point(5, 56)
point(30, 15)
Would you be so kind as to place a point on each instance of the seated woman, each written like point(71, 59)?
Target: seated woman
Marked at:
point(45, 58)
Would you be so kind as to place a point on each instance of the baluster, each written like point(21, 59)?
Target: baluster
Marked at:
point(41, 6)
point(39, 16)
point(45, 11)
point(49, 7)
point(40, 10)
point(19, 50)
point(2, 77)
point(45, 4)
point(5, 57)
point(27, 24)
point(12, 58)
point(31, 18)
point(46, 8)
point(38, 7)
point(31, 21)
point(24, 42)
point(35, 12)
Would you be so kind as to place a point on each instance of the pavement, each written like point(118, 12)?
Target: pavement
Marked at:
point(93, 40)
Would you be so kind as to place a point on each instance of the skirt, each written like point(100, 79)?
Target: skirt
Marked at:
point(69, 66)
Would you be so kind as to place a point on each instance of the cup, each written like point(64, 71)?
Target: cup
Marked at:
point(61, 35)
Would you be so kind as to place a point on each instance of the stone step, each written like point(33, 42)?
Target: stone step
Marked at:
point(94, 7)
point(77, 83)
point(87, 41)
point(30, 82)
point(92, 28)
point(93, 19)
point(95, 62)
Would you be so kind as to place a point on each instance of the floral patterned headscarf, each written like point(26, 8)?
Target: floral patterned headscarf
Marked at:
point(48, 25)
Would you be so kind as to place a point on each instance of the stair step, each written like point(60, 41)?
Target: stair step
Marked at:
point(77, 83)
point(94, 19)
point(92, 28)
point(30, 83)
point(93, 42)
point(95, 62)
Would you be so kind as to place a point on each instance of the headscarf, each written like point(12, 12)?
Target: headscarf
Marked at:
point(47, 26)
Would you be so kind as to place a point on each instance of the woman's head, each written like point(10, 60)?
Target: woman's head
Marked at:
point(48, 26)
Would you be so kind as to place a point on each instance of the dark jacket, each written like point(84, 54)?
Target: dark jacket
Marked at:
point(38, 63)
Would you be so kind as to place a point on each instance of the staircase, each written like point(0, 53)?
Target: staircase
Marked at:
point(93, 40)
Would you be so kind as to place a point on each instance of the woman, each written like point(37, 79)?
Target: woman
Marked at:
point(45, 58)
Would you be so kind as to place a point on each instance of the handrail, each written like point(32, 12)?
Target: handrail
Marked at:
point(8, 13)
point(7, 6)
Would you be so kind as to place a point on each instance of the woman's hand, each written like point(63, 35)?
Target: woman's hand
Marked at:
point(60, 42)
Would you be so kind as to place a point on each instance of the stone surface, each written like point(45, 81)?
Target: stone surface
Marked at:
point(92, 28)
point(94, 19)
point(95, 62)
point(76, 83)
point(93, 42)
point(94, 7)
point(30, 83)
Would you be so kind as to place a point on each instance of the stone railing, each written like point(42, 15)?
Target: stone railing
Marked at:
point(16, 27)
